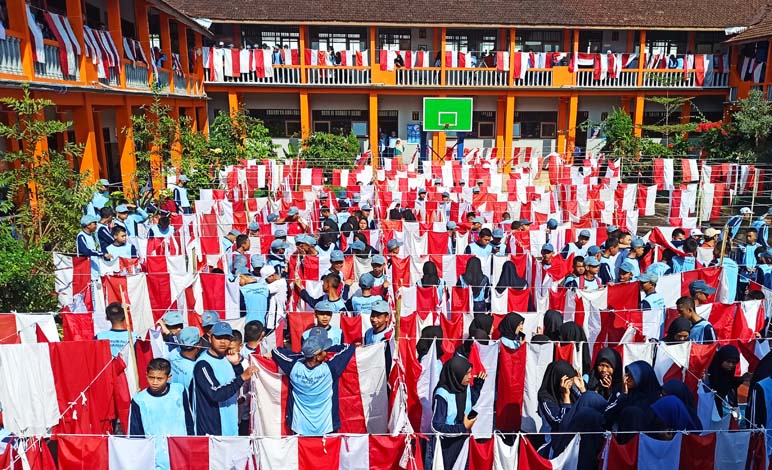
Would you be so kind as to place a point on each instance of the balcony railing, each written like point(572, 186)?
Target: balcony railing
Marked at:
point(720, 80)
point(338, 75)
point(535, 78)
point(476, 78)
point(136, 76)
point(419, 77)
point(180, 85)
point(113, 77)
point(52, 68)
point(769, 93)
point(10, 55)
point(668, 79)
point(625, 79)
point(282, 75)
point(162, 80)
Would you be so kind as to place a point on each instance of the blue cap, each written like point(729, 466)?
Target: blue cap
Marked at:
point(336, 256)
point(422, 191)
point(278, 245)
point(341, 194)
point(292, 211)
point(311, 240)
point(393, 243)
point(234, 232)
point(593, 250)
point(637, 243)
point(700, 286)
point(591, 262)
point(627, 266)
point(324, 306)
point(498, 233)
point(525, 222)
point(272, 218)
point(366, 207)
point(173, 317)
point(437, 181)
point(451, 225)
point(189, 336)
point(648, 277)
point(379, 260)
point(122, 208)
point(313, 345)
point(446, 194)
point(254, 226)
point(548, 248)
point(209, 318)
point(183, 178)
point(358, 245)
point(317, 332)
point(366, 281)
point(280, 233)
point(222, 328)
point(552, 224)
point(239, 262)
point(478, 220)
point(380, 306)
point(585, 233)
point(611, 228)
point(301, 239)
point(88, 219)
point(257, 261)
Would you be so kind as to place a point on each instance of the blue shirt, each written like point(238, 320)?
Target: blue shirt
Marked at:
point(216, 383)
point(255, 300)
point(182, 368)
point(371, 337)
point(333, 332)
point(117, 338)
point(132, 220)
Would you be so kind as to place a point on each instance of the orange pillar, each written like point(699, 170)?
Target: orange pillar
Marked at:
point(85, 133)
point(199, 69)
point(509, 125)
point(641, 59)
point(443, 65)
point(203, 119)
point(303, 40)
point(637, 125)
point(305, 116)
point(567, 39)
point(17, 17)
point(562, 125)
point(142, 28)
point(573, 111)
point(501, 110)
point(512, 46)
point(126, 150)
point(233, 103)
point(374, 128)
point(88, 72)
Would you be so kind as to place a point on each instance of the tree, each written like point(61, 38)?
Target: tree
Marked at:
point(753, 121)
point(45, 193)
point(240, 137)
point(26, 279)
point(154, 132)
point(330, 151)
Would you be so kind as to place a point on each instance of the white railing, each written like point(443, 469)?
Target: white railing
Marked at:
point(669, 79)
point(339, 76)
point(476, 78)
point(113, 77)
point(418, 77)
point(10, 56)
point(720, 80)
point(535, 78)
point(53, 66)
point(136, 77)
point(180, 85)
point(282, 75)
point(625, 79)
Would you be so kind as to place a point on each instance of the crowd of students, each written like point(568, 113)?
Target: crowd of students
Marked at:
point(203, 387)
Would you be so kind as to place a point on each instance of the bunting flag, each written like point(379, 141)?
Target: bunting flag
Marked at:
point(177, 65)
point(290, 57)
point(17, 328)
point(647, 197)
point(355, 59)
point(521, 65)
point(262, 61)
point(420, 59)
point(387, 60)
point(579, 59)
point(69, 47)
point(458, 60)
point(689, 169)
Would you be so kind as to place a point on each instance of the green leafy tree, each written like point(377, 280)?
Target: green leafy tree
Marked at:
point(753, 121)
point(49, 191)
point(26, 279)
point(330, 151)
point(154, 132)
point(240, 137)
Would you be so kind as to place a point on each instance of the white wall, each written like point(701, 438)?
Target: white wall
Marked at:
point(271, 100)
point(536, 104)
point(330, 101)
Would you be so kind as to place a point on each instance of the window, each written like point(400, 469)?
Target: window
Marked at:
point(483, 124)
point(535, 125)
point(127, 28)
point(486, 130)
point(280, 122)
point(338, 120)
point(708, 42)
point(394, 39)
point(591, 41)
point(354, 39)
point(538, 40)
point(479, 40)
point(191, 37)
point(275, 37)
point(94, 16)
point(174, 35)
point(666, 42)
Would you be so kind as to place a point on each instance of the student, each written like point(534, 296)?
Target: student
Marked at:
point(323, 313)
point(480, 285)
point(118, 334)
point(608, 261)
point(228, 240)
point(242, 245)
point(678, 331)
point(700, 290)
point(160, 410)
point(171, 324)
point(380, 321)
point(380, 280)
point(208, 320)
point(482, 247)
point(577, 271)
point(277, 300)
point(120, 248)
point(254, 291)
point(652, 299)
point(721, 379)
point(336, 265)
point(162, 230)
point(590, 281)
point(129, 216)
point(181, 195)
point(511, 329)
point(606, 375)
point(362, 304)
point(85, 244)
point(312, 402)
point(254, 332)
point(430, 278)
point(330, 285)
point(734, 222)
point(557, 393)
point(579, 247)
point(217, 378)
point(702, 331)
point(183, 359)
point(103, 233)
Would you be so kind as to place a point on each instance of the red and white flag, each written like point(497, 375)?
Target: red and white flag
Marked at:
point(263, 63)
point(421, 59)
point(502, 61)
point(521, 64)
point(387, 60)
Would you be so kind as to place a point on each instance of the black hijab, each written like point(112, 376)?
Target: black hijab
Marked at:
point(510, 278)
point(475, 335)
point(326, 239)
point(552, 323)
point(679, 389)
point(612, 358)
point(508, 326)
point(452, 374)
point(481, 321)
point(646, 389)
point(678, 325)
point(763, 370)
point(720, 380)
point(473, 275)
point(430, 277)
point(550, 389)
point(571, 332)
point(586, 415)
point(540, 339)
point(428, 335)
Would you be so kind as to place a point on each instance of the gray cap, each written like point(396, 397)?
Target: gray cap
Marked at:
point(592, 261)
point(585, 233)
point(451, 225)
point(366, 281)
point(498, 233)
point(336, 256)
point(380, 306)
point(393, 243)
point(278, 245)
point(313, 345)
point(378, 260)
point(272, 218)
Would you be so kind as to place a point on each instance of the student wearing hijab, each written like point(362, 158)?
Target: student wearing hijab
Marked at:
point(511, 330)
point(640, 390)
point(481, 286)
point(510, 278)
point(553, 320)
point(454, 398)
point(677, 388)
point(671, 415)
point(678, 331)
point(557, 394)
point(721, 379)
point(475, 336)
point(571, 332)
point(606, 376)
point(431, 278)
point(428, 335)
point(585, 416)
point(482, 321)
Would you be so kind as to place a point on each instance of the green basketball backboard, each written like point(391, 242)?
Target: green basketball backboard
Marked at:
point(448, 114)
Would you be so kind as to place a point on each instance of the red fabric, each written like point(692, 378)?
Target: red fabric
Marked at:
point(143, 354)
point(564, 352)
point(459, 300)
point(623, 457)
point(299, 322)
point(481, 454)
point(8, 331)
point(188, 453)
point(213, 292)
point(437, 243)
point(623, 296)
point(700, 356)
point(82, 452)
point(400, 271)
point(529, 458)
point(90, 359)
point(427, 300)
point(159, 289)
point(475, 360)
point(39, 335)
point(319, 452)
point(698, 451)
point(412, 368)
point(75, 326)
point(385, 452)
point(352, 329)
point(309, 269)
point(510, 388)
point(517, 300)
point(352, 420)
point(722, 317)
point(81, 275)
point(271, 366)
point(452, 333)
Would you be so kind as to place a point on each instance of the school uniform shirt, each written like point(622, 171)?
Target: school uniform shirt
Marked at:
point(763, 230)
point(85, 245)
point(334, 333)
point(216, 383)
point(477, 250)
point(117, 338)
point(607, 272)
point(127, 250)
point(156, 232)
point(702, 332)
point(182, 368)
point(98, 201)
point(371, 337)
point(255, 297)
point(360, 305)
point(160, 415)
point(104, 235)
point(312, 402)
point(277, 302)
point(653, 301)
point(573, 249)
point(181, 199)
point(139, 216)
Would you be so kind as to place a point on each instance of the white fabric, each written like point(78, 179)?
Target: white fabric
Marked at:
point(489, 356)
point(129, 454)
point(230, 453)
point(266, 402)
point(278, 453)
point(37, 36)
point(538, 357)
point(354, 453)
point(656, 454)
point(427, 382)
point(372, 386)
point(504, 456)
